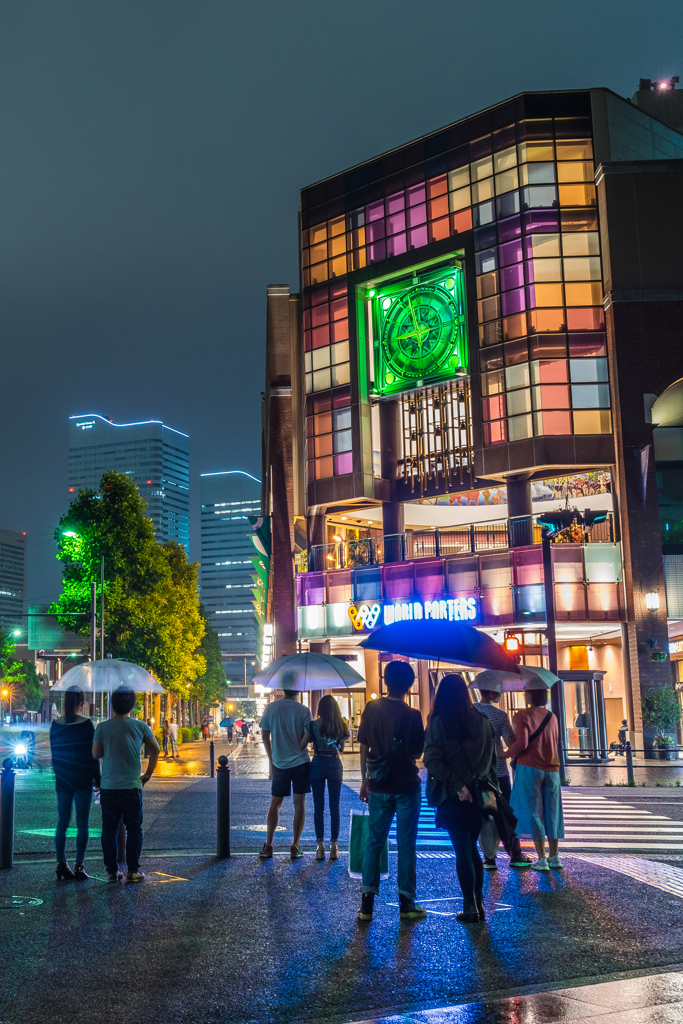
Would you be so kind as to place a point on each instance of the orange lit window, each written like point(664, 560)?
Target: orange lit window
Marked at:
point(592, 421)
point(587, 293)
point(548, 294)
point(577, 195)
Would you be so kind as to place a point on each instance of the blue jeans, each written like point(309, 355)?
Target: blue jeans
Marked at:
point(330, 770)
point(82, 798)
point(382, 808)
point(115, 805)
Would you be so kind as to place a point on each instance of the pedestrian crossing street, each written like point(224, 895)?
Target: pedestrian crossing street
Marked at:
point(591, 823)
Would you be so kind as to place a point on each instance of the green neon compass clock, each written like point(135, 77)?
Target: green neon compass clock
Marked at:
point(419, 330)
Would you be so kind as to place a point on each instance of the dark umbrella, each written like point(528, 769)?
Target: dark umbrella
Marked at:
point(226, 723)
point(440, 641)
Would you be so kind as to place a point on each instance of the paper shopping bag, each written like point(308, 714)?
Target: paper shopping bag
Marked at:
point(359, 834)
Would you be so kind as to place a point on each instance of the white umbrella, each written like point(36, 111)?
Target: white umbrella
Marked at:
point(307, 671)
point(106, 676)
point(529, 678)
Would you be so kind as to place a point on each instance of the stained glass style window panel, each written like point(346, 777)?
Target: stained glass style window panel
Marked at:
point(590, 396)
point(576, 170)
point(519, 427)
point(587, 293)
point(592, 421)
point(581, 243)
point(577, 195)
point(585, 268)
point(552, 422)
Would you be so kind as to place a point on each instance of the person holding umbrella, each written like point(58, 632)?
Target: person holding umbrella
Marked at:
point(536, 793)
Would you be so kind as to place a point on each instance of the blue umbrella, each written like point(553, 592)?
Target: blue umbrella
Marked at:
point(227, 723)
point(440, 640)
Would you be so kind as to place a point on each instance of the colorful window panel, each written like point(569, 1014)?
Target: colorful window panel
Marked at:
point(539, 292)
point(326, 337)
point(328, 434)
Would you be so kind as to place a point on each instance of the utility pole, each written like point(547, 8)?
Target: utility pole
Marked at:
point(102, 609)
point(93, 640)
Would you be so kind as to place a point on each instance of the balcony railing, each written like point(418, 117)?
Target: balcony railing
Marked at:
point(470, 538)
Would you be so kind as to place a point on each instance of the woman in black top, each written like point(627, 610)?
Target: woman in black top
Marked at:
point(76, 771)
point(328, 734)
point(460, 755)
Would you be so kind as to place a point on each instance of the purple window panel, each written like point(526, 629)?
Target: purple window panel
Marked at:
point(307, 319)
point(396, 222)
point(398, 582)
point(510, 252)
point(313, 589)
point(418, 237)
point(395, 203)
point(541, 221)
point(511, 277)
point(375, 211)
point(343, 464)
point(417, 215)
point(377, 251)
point(513, 302)
point(396, 244)
point(509, 229)
point(531, 296)
point(374, 231)
point(416, 194)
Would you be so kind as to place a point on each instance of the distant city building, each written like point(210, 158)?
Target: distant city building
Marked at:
point(228, 499)
point(12, 581)
point(150, 453)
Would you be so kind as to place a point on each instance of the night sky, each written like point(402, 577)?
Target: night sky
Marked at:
point(151, 155)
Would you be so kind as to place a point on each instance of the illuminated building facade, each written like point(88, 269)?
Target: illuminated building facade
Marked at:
point(228, 500)
point(154, 455)
point(13, 584)
point(486, 318)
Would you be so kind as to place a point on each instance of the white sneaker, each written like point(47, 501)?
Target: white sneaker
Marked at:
point(541, 865)
point(555, 862)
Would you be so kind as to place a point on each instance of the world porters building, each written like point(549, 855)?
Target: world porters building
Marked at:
point(489, 327)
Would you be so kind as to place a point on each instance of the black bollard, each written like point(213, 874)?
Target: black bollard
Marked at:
point(212, 760)
point(223, 808)
point(7, 814)
point(629, 765)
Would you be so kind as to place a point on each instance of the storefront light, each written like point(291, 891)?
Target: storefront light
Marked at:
point(652, 600)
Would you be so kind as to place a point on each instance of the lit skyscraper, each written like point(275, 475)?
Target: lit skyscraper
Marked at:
point(150, 453)
point(13, 581)
point(228, 499)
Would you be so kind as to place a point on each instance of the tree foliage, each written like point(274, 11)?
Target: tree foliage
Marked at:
point(152, 615)
point(209, 686)
point(661, 709)
point(24, 680)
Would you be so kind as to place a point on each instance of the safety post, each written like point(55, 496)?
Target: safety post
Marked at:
point(222, 808)
point(629, 765)
point(7, 814)
point(212, 760)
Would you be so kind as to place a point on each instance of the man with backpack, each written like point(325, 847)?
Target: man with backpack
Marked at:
point(391, 738)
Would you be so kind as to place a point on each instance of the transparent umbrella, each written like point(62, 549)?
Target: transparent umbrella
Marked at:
point(526, 678)
point(308, 671)
point(106, 676)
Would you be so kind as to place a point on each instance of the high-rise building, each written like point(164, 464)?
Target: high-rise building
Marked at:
point(490, 328)
point(150, 453)
point(13, 582)
point(228, 499)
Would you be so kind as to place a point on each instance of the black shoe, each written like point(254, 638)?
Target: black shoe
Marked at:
point(466, 917)
point(409, 910)
point(490, 864)
point(480, 909)
point(80, 872)
point(367, 906)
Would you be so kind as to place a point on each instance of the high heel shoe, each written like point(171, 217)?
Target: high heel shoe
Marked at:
point(80, 872)
point(320, 852)
point(64, 872)
point(334, 850)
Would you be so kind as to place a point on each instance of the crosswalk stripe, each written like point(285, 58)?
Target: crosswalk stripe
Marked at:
point(591, 824)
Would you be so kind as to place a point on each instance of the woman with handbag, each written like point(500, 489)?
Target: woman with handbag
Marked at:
point(460, 755)
point(328, 734)
point(536, 794)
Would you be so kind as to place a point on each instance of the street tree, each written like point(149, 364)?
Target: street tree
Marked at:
point(209, 686)
point(152, 614)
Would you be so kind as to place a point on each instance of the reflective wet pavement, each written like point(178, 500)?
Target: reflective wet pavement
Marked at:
point(259, 943)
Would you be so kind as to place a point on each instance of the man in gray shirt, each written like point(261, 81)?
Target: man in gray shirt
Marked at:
point(118, 743)
point(282, 729)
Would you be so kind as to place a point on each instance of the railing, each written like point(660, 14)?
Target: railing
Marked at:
point(470, 538)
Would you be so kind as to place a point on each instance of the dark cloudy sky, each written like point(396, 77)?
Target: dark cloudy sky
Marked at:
point(151, 153)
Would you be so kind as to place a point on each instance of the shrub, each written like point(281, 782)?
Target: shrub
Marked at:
point(184, 735)
point(196, 732)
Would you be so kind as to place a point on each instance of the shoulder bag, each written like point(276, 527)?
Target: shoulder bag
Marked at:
point(534, 736)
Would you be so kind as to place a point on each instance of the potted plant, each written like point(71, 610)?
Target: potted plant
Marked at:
point(662, 713)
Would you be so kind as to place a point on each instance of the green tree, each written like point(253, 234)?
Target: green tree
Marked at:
point(209, 686)
point(25, 683)
point(661, 710)
point(152, 614)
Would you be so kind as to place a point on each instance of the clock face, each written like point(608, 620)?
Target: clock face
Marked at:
point(419, 332)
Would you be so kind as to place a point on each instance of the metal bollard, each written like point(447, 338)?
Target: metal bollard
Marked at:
point(7, 814)
point(629, 765)
point(212, 760)
point(223, 808)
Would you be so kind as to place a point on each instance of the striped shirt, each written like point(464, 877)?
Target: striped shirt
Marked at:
point(502, 729)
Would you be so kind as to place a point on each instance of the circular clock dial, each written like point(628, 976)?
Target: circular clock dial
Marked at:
point(419, 332)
